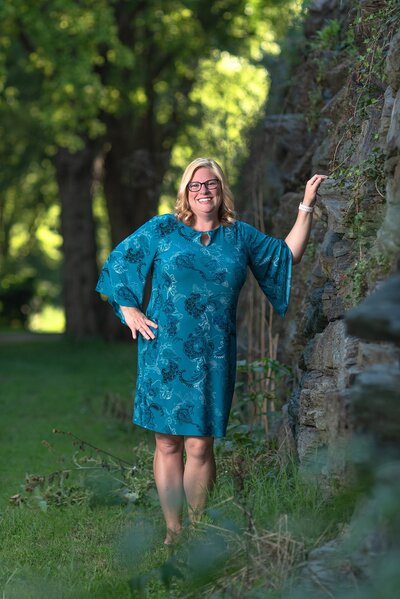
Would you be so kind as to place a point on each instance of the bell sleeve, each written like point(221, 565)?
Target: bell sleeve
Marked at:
point(270, 261)
point(123, 276)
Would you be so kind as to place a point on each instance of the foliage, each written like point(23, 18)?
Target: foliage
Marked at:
point(257, 403)
point(114, 44)
point(375, 28)
point(95, 477)
point(369, 35)
point(236, 546)
point(362, 221)
point(328, 37)
point(30, 241)
point(325, 50)
point(70, 74)
point(364, 44)
point(263, 516)
point(355, 176)
point(225, 103)
point(261, 520)
point(365, 272)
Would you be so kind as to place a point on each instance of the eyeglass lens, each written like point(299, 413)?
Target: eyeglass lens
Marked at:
point(196, 185)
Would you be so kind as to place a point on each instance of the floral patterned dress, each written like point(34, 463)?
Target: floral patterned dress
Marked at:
point(186, 375)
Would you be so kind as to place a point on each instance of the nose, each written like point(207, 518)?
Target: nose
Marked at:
point(205, 186)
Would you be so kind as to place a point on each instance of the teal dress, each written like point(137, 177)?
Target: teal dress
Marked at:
point(186, 375)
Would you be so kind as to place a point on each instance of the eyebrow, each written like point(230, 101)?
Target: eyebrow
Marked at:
point(213, 179)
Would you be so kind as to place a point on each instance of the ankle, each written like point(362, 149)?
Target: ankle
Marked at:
point(173, 535)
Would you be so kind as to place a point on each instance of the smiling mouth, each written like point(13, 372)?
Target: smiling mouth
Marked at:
point(204, 200)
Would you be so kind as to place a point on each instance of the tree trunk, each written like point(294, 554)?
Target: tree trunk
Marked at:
point(133, 174)
point(83, 306)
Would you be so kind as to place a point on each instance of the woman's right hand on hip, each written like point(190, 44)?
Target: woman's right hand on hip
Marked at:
point(138, 322)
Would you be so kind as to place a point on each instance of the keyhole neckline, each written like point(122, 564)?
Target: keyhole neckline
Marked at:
point(205, 239)
point(199, 232)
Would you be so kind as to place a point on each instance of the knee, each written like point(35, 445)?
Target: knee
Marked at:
point(169, 444)
point(200, 449)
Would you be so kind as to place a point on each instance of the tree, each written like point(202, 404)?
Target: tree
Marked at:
point(111, 79)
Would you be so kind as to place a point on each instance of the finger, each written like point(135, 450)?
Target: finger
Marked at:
point(146, 332)
point(317, 182)
point(153, 324)
point(148, 335)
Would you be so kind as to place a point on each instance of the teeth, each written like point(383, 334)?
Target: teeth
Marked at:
point(205, 200)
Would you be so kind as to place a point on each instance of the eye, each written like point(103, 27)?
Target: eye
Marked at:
point(212, 183)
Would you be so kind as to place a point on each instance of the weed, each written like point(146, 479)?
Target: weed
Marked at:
point(95, 477)
point(328, 37)
point(364, 274)
point(375, 29)
point(364, 180)
point(256, 397)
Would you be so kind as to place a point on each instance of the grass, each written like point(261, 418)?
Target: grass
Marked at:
point(60, 384)
point(261, 520)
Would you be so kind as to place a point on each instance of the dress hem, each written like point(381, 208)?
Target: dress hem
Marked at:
point(147, 428)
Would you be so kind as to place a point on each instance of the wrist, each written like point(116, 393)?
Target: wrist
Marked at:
point(306, 208)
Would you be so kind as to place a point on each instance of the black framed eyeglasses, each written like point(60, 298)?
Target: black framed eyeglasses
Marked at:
point(196, 185)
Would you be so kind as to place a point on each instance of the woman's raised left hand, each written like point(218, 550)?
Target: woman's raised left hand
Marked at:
point(311, 189)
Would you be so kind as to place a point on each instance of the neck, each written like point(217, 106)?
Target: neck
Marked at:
point(204, 224)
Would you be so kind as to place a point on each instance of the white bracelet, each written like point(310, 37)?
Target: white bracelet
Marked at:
point(306, 208)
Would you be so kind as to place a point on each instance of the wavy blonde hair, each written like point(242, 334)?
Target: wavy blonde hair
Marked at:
point(226, 213)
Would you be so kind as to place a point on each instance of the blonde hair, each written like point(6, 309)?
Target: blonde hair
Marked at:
point(183, 211)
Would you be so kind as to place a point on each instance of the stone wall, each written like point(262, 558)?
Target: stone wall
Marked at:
point(341, 119)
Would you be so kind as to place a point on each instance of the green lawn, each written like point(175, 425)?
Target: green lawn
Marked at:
point(60, 384)
point(63, 385)
point(261, 511)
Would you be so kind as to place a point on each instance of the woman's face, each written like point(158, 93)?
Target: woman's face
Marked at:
point(206, 200)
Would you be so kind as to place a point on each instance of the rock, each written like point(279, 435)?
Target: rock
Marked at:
point(378, 316)
point(314, 320)
point(290, 138)
point(334, 106)
point(327, 349)
point(314, 396)
point(388, 235)
point(332, 304)
point(309, 439)
point(337, 76)
point(341, 248)
point(322, 149)
point(330, 240)
point(335, 201)
point(329, 261)
point(393, 63)
point(386, 116)
point(376, 402)
point(369, 353)
point(367, 141)
point(393, 136)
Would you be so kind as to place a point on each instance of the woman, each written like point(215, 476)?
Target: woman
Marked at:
point(187, 338)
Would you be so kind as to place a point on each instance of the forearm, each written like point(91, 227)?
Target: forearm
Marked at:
point(299, 235)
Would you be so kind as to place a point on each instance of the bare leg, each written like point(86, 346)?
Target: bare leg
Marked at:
point(199, 475)
point(168, 475)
